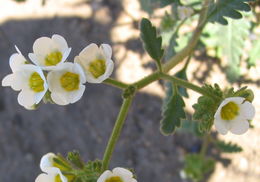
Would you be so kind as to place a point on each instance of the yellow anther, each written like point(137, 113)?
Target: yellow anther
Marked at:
point(36, 83)
point(70, 81)
point(97, 67)
point(229, 111)
point(114, 179)
point(53, 58)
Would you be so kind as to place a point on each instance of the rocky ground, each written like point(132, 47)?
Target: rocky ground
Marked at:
point(26, 135)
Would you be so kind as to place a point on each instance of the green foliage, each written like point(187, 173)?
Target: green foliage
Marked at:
point(90, 173)
point(229, 42)
point(242, 92)
point(167, 22)
point(228, 147)
point(182, 75)
point(191, 127)
point(150, 5)
point(233, 41)
point(206, 108)
point(221, 9)
point(172, 111)
point(254, 54)
point(197, 166)
point(152, 43)
point(75, 159)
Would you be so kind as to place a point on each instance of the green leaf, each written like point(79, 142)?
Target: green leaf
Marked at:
point(152, 43)
point(182, 75)
point(232, 43)
point(75, 158)
point(221, 9)
point(197, 166)
point(206, 107)
point(254, 54)
point(228, 147)
point(172, 111)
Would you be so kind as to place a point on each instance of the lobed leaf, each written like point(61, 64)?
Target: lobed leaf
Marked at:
point(220, 9)
point(172, 111)
point(152, 43)
point(228, 147)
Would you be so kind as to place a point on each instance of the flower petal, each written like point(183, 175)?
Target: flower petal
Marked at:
point(45, 178)
point(90, 52)
point(16, 60)
point(221, 126)
point(248, 110)
point(59, 98)
point(239, 127)
point(119, 171)
point(44, 45)
point(107, 50)
point(46, 161)
point(26, 98)
point(60, 41)
point(76, 95)
point(105, 175)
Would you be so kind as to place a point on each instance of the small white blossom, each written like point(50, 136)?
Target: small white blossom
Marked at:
point(96, 62)
point(66, 83)
point(117, 175)
point(184, 12)
point(47, 162)
point(32, 83)
point(53, 175)
point(233, 115)
point(49, 52)
point(16, 60)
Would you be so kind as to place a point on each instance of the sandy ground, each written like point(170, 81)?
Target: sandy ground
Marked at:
point(26, 135)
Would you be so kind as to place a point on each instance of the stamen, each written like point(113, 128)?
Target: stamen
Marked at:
point(53, 58)
point(114, 179)
point(70, 81)
point(229, 111)
point(36, 83)
point(97, 67)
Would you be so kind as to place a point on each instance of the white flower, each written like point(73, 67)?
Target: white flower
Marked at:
point(65, 83)
point(53, 175)
point(117, 175)
point(32, 83)
point(47, 162)
point(96, 62)
point(49, 52)
point(184, 12)
point(233, 115)
point(16, 60)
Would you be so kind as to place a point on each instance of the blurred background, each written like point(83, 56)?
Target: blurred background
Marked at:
point(86, 125)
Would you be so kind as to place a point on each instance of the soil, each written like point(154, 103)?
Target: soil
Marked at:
point(86, 125)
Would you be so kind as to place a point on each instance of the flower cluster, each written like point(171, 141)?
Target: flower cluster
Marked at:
point(57, 169)
point(51, 74)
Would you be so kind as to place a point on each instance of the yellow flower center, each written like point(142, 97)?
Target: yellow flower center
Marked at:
point(97, 67)
point(53, 58)
point(36, 83)
point(229, 111)
point(57, 178)
point(70, 81)
point(114, 179)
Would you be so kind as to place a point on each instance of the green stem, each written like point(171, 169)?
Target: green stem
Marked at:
point(116, 132)
point(116, 83)
point(176, 59)
point(205, 144)
point(189, 85)
point(146, 80)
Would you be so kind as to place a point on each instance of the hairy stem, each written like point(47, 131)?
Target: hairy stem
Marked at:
point(116, 83)
point(189, 85)
point(116, 132)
